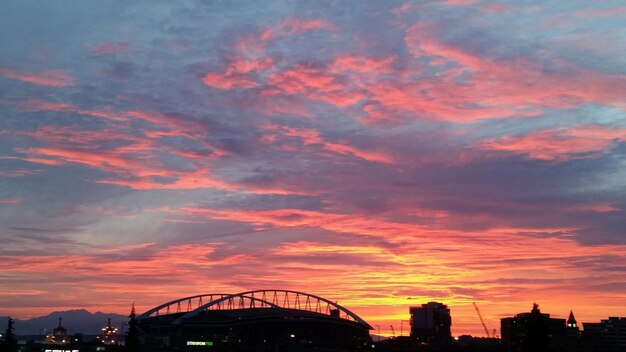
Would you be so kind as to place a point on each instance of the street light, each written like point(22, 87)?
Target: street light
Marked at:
point(378, 326)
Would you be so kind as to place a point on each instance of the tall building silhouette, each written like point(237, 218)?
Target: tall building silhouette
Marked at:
point(431, 321)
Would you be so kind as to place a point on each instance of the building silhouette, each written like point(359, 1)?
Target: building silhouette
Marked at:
point(607, 335)
point(572, 325)
point(534, 331)
point(573, 331)
point(431, 322)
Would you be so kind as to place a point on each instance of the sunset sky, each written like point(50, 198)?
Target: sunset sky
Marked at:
point(380, 154)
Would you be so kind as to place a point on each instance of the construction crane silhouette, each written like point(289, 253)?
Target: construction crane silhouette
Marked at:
point(482, 321)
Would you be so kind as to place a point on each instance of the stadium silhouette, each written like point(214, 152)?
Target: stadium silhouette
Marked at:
point(261, 320)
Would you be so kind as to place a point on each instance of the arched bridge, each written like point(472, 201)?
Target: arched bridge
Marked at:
point(188, 307)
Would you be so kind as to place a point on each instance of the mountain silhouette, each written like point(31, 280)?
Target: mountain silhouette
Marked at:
point(75, 321)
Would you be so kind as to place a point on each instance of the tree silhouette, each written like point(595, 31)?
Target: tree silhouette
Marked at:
point(10, 343)
point(132, 336)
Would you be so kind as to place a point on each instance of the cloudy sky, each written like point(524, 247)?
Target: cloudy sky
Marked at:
point(377, 153)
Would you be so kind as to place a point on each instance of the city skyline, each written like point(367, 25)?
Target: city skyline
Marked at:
point(82, 321)
point(381, 154)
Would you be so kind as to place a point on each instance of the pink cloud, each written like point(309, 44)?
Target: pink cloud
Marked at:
point(363, 64)
point(301, 78)
point(70, 135)
point(420, 42)
point(228, 80)
point(296, 218)
point(594, 207)
point(239, 65)
point(495, 7)
point(49, 78)
point(315, 84)
point(38, 105)
point(11, 201)
point(469, 87)
point(134, 163)
point(311, 137)
point(18, 172)
point(238, 74)
point(495, 89)
point(134, 159)
point(176, 45)
point(108, 161)
point(459, 2)
point(178, 125)
point(247, 70)
point(560, 144)
point(619, 11)
point(196, 179)
point(402, 9)
point(110, 47)
point(365, 155)
point(295, 25)
point(253, 45)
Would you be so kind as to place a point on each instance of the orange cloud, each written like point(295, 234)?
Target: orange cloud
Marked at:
point(377, 282)
point(105, 273)
point(504, 269)
point(296, 218)
point(49, 78)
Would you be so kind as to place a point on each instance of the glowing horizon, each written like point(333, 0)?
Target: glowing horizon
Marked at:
point(382, 155)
